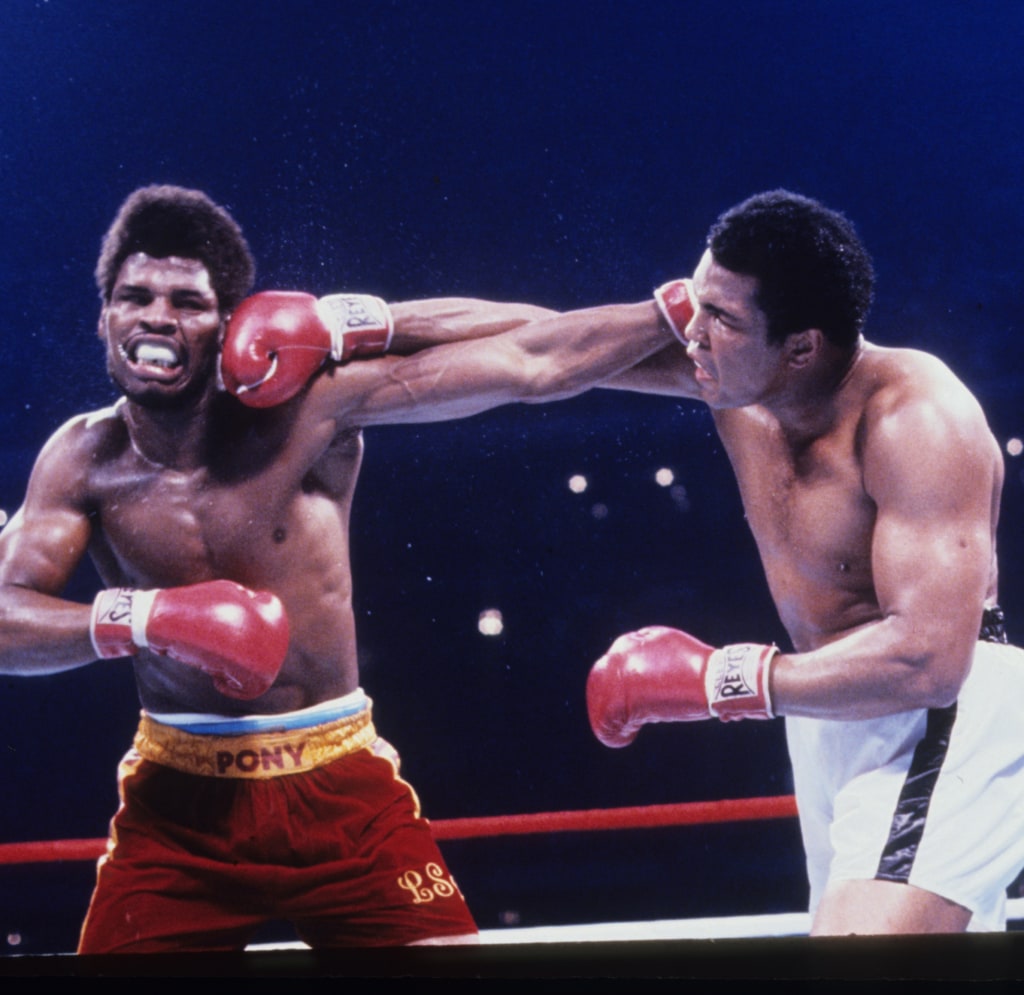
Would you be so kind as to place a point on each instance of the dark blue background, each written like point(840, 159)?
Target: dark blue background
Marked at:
point(567, 155)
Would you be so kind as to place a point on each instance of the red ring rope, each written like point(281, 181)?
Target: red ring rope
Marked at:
point(636, 817)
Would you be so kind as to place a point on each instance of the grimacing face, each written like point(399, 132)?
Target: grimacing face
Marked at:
point(162, 328)
point(727, 339)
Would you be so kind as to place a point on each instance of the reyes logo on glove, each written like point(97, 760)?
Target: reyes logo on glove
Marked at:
point(732, 681)
point(737, 681)
point(116, 610)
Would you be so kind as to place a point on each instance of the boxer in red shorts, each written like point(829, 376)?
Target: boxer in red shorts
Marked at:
point(220, 532)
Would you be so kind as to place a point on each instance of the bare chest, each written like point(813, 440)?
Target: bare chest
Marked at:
point(167, 528)
point(811, 519)
point(162, 527)
point(815, 513)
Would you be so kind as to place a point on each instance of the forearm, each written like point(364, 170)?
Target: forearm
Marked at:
point(546, 360)
point(669, 372)
point(421, 324)
point(40, 634)
point(896, 664)
point(880, 669)
point(572, 352)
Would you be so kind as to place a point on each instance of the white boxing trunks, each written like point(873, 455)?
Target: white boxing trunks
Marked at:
point(932, 798)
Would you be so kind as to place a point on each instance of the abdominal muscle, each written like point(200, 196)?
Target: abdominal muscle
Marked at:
point(309, 571)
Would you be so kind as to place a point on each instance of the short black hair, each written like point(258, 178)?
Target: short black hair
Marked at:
point(811, 266)
point(163, 221)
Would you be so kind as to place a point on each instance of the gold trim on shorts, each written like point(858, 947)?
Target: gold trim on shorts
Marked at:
point(254, 755)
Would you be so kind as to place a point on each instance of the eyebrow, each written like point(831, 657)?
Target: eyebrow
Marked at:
point(187, 292)
point(190, 292)
point(721, 312)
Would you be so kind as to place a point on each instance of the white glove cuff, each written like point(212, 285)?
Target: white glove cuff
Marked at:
point(142, 605)
point(118, 623)
point(736, 681)
point(358, 323)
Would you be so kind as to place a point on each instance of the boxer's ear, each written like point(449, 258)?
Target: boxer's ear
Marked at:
point(802, 348)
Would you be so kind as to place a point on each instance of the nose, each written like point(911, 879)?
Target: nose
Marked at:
point(158, 315)
point(695, 331)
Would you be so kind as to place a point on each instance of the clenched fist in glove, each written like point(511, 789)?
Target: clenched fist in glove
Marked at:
point(677, 305)
point(237, 636)
point(276, 340)
point(665, 675)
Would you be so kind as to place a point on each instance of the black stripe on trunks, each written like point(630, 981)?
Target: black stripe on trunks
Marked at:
point(993, 625)
point(912, 808)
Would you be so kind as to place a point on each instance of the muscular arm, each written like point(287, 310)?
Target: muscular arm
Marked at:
point(549, 359)
point(932, 469)
point(39, 549)
point(278, 341)
point(422, 324)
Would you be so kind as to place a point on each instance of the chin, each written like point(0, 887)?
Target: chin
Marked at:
point(159, 401)
point(161, 398)
point(158, 396)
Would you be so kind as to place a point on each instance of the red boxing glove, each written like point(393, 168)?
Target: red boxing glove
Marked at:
point(664, 675)
point(677, 305)
point(276, 340)
point(237, 636)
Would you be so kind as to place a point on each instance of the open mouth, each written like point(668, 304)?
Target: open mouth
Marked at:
point(159, 359)
point(700, 373)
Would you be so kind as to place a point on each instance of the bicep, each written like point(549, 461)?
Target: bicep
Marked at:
point(45, 540)
point(932, 479)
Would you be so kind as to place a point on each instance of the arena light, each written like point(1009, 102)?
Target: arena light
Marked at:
point(490, 622)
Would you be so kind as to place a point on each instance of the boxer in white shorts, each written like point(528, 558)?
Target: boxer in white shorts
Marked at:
point(871, 483)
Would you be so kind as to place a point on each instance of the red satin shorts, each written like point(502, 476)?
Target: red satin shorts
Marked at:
point(201, 862)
